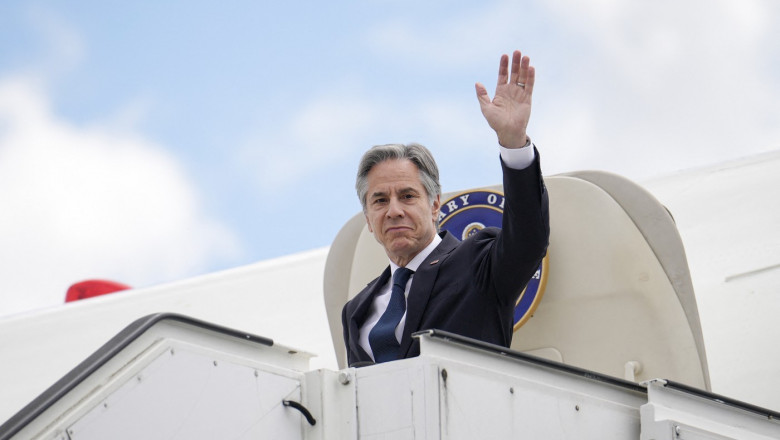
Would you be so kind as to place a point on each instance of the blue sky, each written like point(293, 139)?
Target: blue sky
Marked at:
point(150, 141)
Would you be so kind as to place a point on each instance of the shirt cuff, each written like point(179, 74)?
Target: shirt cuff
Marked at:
point(518, 158)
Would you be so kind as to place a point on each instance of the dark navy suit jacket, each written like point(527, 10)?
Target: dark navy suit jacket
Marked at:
point(469, 288)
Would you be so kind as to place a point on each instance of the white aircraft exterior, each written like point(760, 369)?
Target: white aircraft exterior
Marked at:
point(728, 220)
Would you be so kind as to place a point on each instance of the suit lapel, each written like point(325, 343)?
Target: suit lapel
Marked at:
point(422, 285)
point(362, 307)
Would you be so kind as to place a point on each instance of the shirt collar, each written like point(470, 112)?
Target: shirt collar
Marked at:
point(419, 258)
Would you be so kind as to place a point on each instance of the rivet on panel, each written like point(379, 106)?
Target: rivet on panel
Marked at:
point(344, 378)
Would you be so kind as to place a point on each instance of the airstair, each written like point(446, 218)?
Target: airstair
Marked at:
point(168, 376)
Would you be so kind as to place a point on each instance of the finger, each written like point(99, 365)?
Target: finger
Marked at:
point(516, 57)
point(522, 68)
point(529, 80)
point(503, 70)
point(482, 94)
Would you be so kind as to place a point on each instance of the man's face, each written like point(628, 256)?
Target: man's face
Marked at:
point(398, 211)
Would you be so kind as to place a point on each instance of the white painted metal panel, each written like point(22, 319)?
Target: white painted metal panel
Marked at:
point(673, 414)
point(397, 401)
point(482, 404)
point(186, 394)
point(167, 376)
point(332, 396)
point(487, 395)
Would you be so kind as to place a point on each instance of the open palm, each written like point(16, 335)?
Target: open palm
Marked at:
point(510, 109)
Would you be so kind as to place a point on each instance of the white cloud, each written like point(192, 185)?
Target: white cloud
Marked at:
point(92, 202)
point(473, 36)
point(638, 89)
point(334, 129)
point(66, 48)
point(664, 86)
point(320, 134)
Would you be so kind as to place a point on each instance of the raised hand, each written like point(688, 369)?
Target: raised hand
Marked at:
point(509, 111)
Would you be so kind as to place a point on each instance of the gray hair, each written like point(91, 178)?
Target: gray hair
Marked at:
point(416, 153)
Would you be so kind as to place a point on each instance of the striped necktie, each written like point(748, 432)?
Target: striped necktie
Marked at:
point(382, 337)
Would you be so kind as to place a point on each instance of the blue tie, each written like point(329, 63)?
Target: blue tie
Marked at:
point(382, 337)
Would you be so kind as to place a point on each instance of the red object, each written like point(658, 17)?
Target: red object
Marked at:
point(90, 288)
